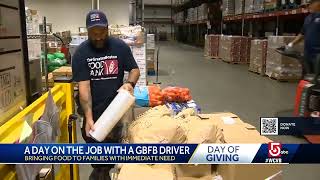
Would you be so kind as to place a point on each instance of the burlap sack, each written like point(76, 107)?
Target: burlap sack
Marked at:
point(146, 172)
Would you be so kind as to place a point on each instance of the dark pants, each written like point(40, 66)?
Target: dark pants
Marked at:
point(101, 171)
point(311, 65)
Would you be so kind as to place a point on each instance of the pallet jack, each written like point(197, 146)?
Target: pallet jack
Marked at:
point(307, 100)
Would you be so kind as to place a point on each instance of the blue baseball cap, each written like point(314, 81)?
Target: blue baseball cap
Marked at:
point(96, 18)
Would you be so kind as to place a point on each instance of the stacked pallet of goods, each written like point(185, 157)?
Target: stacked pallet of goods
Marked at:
point(249, 6)
point(202, 12)
point(150, 55)
point(258, 56)
point(271, 5)
point(134, 37)
point(258, 6)
point(213, 45)
point(228, 8)
point(235, 49)
point(239, 7)
point(281, 67)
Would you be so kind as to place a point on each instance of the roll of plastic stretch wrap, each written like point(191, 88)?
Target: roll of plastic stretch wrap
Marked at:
point(111, 116)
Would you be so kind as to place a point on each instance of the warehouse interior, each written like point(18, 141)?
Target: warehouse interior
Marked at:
point(224, 57)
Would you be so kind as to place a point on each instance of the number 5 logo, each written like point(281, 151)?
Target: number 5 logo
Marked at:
point(274, 149)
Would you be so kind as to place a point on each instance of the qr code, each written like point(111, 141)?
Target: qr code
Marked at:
point(269, 126)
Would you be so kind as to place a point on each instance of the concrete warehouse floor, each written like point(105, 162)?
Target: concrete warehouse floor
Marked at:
point(217, 86)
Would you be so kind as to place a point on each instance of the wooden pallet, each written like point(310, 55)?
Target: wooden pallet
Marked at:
point(214, 57)
point(254, 72)
point(284, 80)
point(233, 62)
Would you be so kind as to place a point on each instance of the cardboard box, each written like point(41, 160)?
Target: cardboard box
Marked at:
point(50, 80)
point(239, 6)
point(249, 6)
point(64, 71)
point(146, 172)
point(195, 171)
point(236, 131)
point(228, 7)
point(195, 178)
point(247, 172)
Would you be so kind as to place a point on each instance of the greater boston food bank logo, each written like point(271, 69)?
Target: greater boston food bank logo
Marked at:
point(94, 17)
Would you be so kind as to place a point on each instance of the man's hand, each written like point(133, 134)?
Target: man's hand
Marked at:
point(89, 126)
point(127, 87)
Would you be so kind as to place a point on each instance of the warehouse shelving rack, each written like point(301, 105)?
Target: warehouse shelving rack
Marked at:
point(278, 22)
point(247, 24)
point(193, 32)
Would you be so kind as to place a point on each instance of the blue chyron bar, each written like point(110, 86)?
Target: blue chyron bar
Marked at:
point(296, 126)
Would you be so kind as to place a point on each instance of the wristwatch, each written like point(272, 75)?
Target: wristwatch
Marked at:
point(132, 83)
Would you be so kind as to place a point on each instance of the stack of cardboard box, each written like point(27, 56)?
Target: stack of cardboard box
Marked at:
point(245, 49)
point(50, 81)
point(228, 7)
point(62, 72)
point(258, 6)
point(230, 48)
point(249, 6)
point(282, 67)
point(192, 15)
point(270, 5)
point(139, 54)
point(150, 55)
point(235, 49)
point(33, 20)
point(239, 6)
point(202, 12)
point(213, 49)
point(258, 56)
point(134, 37)
point(179, 17)
point(234, 130)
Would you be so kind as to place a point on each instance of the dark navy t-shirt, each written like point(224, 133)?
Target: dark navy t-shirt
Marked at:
point(311, 32)
point(105, 70)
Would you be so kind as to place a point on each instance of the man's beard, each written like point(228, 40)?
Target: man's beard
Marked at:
point(98, 44)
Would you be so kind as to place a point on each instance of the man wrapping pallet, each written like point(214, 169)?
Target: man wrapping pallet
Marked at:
point(310, 32)
point(98, 66)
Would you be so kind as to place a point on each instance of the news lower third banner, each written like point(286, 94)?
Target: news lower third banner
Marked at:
point(159, 153)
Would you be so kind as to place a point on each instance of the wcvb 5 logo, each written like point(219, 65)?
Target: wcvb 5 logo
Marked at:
point(274, 150)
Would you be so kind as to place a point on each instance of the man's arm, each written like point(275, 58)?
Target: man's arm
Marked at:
point(86, 104)
point(297, 40)
point(131, 66)
point(134, 75)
